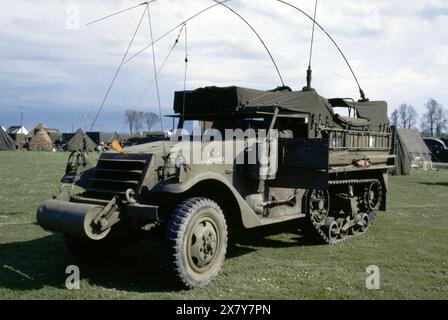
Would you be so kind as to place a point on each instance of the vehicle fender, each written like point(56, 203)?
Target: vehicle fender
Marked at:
point(248, 216)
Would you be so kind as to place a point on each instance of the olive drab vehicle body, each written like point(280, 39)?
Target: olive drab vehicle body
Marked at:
point(327, 165)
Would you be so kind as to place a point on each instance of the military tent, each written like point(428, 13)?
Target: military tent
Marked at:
point(6, 143)
point(102, 137)
point(411, 151)
point(18, 130)
point(81, 142)
point(41, 142)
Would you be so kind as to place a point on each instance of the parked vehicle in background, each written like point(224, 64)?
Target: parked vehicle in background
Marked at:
point(438, 149)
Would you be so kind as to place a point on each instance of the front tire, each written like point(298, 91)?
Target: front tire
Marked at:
point(196, 241)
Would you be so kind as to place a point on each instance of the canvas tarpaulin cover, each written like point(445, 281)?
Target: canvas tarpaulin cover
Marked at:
point(410, 149)
point(6, 143)
point(373, 113)
point(213, 100)
point(232, 99)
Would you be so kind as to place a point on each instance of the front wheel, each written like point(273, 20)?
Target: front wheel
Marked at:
point(196, 241)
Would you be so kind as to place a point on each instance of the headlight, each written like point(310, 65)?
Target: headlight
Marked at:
point(180, 161)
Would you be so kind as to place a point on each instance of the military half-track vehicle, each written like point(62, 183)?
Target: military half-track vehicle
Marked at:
point(327, 164)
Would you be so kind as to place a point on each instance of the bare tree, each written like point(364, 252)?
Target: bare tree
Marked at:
point(441, 121)
point(394, 118)
point(151, 119)
point(412, 117)
point(135, 120)
point(138, 124)
point(404, 117)
point(430, 116)
point(130, 116)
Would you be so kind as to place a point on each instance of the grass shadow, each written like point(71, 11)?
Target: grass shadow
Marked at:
point(35, 264)
point(263, 237)
point(442, 184)
point(12, 214)
point(32, 265)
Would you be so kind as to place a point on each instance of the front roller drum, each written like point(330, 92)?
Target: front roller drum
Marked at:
point(331, 229)
point(74, 219)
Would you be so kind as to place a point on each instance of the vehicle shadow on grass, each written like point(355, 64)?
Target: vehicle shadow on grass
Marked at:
point(39, 263)
point(265, 237)
point(442, 184)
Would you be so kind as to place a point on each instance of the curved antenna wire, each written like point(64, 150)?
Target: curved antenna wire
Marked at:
point(124, 61)
point(174, 29)
point(258, 36)
point(160, 69)
point(118, 71)
point(217, 3)
point(119, 12)
point(363, 96)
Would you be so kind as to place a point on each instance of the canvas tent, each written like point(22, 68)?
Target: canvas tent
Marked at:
point(102, 137)
point(81, 142)
point(18, 130)
point(41, 142)
point(411, 151)
point(6, 143)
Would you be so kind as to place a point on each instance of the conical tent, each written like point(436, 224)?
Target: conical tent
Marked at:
point(81, 142)
point(411, 151)
point(6, 143)
point(41, 142)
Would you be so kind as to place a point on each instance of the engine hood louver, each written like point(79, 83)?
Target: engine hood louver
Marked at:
point(115, 174)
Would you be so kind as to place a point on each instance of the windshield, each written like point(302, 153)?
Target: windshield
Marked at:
point(197, 127)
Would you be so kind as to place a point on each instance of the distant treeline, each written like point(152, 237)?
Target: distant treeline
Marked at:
point(434, 122)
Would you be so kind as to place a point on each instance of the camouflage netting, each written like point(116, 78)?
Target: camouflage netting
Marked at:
point(41, 142)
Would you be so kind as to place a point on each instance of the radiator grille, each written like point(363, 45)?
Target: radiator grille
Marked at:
point(115, 174)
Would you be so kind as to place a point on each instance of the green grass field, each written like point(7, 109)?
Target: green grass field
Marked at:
point(409, 244)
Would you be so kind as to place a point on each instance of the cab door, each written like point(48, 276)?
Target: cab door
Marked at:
point(303, 163)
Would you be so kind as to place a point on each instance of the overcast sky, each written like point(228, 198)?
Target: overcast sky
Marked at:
point(51, 67)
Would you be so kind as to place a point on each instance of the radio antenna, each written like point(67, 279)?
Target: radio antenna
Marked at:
point(361, 92)
point(259, 38)
point(119, 12)
point(309, 72)
point(156, 78)
point(109, 89)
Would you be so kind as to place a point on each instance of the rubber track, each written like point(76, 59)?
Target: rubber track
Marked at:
point(323, 237)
